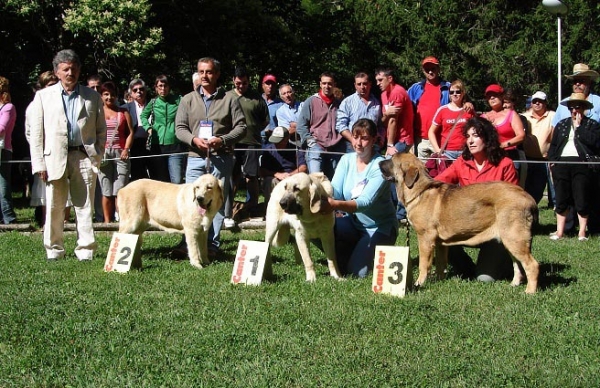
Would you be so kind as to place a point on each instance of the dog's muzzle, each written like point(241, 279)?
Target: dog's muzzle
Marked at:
point(386, 167)
point(289, 205)
point(200, 201)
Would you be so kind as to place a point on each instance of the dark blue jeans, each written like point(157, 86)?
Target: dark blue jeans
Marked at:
point(8, 214)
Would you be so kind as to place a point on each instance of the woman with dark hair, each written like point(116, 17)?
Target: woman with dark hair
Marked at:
point(366, 216)
point(114, 172)
point(482, 160)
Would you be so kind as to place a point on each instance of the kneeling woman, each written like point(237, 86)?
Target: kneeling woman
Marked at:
point(482, 160)
point(360, 192)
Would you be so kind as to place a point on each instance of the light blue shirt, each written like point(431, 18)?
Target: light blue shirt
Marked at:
point(562, 112)
point(375, 210)
point(72, 108)
point(273, 106)
point(287, 114)
point(353, 108)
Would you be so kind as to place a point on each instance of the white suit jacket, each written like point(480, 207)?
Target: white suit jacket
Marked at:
point(47, 124)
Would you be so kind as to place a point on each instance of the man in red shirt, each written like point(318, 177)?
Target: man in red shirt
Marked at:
point(397, 112)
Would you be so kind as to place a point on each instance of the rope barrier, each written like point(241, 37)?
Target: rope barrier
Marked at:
point(524, 161)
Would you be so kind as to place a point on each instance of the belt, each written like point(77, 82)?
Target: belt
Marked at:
point(77, 148)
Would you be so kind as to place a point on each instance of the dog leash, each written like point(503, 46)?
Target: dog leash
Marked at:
point(208, 159)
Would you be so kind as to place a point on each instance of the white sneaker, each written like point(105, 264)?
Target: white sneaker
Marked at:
point(228, 223)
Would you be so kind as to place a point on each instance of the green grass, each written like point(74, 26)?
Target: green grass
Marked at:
point(68, 323)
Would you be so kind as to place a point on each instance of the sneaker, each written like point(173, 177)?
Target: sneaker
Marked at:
point(555, 237)
point(485, 278)
point(582, 238)
point(228, 223)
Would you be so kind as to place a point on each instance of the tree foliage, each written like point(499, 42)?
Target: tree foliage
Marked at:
point(512, 42)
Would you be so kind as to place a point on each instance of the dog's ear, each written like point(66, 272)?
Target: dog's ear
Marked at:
point(194, 196)
point(411, 176)
point(317, 196)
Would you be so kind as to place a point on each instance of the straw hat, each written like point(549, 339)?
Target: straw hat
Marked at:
point(577, 98)
point(583, 70)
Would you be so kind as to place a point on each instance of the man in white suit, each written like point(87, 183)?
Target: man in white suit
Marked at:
point(68, 134)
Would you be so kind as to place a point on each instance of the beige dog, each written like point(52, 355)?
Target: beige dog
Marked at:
point(188, 208)
point(294, 207)
point(444, 215)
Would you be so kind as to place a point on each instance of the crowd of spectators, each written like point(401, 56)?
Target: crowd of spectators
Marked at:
point(254, 138)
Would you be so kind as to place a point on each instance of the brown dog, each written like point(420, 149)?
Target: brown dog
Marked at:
point(444, 215)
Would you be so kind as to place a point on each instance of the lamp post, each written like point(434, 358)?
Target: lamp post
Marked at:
point(558, 8)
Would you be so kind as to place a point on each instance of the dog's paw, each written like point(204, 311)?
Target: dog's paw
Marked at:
point(197, 265)
point(311, 276)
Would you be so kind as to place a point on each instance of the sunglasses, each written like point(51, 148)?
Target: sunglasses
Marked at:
point(575, 107)
point(538, 101)
point(137, 90)
point(453, 92)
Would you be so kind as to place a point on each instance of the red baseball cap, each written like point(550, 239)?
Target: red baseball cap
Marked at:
point(269, 77)
point(432, 60)
point(494, 88)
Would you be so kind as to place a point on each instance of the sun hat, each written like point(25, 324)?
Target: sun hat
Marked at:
point(583, 70)
point(577, 97)
point(278, 134)
point(494, 88)
point(539, 95)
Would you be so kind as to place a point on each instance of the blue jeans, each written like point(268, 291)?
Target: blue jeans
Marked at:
point(8, 214)
point(453, 154)
point(221, 166)
point(175, 162)
point(319, 160)
point(355, 249)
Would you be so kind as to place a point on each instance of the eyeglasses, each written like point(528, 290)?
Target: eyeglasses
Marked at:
point(137, 90)
point(538, 101)
point(575, 107)
point(580, 80)
point(452, 92)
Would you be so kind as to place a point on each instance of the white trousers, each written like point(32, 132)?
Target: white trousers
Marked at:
point(79, 180)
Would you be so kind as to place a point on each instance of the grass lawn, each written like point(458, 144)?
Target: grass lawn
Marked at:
point(69, 324)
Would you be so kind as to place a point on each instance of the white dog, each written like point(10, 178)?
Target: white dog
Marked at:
point(294, 207)
point(188, 208)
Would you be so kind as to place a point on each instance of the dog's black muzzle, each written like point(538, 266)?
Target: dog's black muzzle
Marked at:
point(387, 167)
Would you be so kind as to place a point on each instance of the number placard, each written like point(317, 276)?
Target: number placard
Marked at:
point(123, 253)
point(391, 270)
point(251, 261)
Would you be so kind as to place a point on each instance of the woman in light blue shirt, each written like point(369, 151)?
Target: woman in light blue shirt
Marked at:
point(360, 191)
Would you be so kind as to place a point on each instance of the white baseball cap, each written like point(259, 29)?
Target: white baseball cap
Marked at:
point(539, 95)
point(278, 134)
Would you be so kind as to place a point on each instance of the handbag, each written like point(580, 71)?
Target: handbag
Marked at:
point(438, 162)
point(593, 160)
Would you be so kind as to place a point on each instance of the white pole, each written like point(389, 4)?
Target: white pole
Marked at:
point(559, 62)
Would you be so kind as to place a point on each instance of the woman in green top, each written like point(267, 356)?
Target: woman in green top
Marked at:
point(158, 118)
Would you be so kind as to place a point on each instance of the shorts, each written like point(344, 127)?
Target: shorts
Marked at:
point(114, 174)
